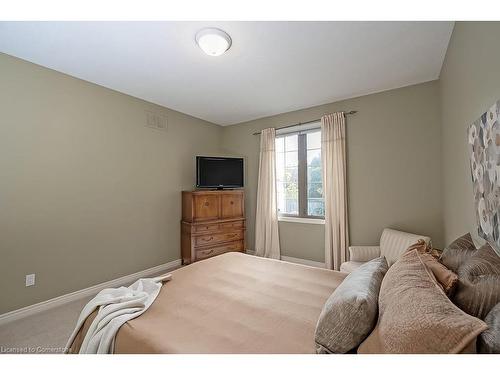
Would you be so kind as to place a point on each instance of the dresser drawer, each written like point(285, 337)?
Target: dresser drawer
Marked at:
point(232, 225)
point(210, 239)
point(217, 250)
point(205, 228)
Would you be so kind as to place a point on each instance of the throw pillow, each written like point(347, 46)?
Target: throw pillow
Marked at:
point(350, 313)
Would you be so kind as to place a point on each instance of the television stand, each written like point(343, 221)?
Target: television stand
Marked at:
point(213, 223)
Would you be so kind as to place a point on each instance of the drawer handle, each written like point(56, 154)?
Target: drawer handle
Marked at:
point(208, 239)
point(207, 204)
point(209, 252)
point(232, 202)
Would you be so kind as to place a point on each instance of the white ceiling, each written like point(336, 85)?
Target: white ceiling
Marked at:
point(271, 67)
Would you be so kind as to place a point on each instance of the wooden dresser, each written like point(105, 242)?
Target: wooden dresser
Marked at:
point(213, 223)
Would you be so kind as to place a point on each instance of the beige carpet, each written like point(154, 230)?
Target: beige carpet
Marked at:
point(44, 333)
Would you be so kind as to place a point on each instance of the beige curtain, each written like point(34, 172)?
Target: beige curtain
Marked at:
point(333, 156)
point(267, 242)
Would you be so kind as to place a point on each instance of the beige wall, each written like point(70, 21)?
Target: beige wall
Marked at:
point(393, 143)
point(303, 241)
point(469, 85)
point(87, 192)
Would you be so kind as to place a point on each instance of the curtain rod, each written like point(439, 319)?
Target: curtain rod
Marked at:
point(308, 122)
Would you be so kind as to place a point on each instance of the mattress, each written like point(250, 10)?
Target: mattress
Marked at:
point(231, 303)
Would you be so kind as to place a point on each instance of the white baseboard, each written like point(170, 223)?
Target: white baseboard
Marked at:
point(87, 292)
point(306, 262)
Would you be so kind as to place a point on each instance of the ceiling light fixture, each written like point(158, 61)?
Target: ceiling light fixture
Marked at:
point(214, 42)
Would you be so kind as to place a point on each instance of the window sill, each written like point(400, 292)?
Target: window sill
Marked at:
point(302, 220)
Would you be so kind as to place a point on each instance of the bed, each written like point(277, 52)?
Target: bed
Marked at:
point(231, 303)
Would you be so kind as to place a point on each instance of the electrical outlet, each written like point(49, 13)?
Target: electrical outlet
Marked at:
point(30, 279)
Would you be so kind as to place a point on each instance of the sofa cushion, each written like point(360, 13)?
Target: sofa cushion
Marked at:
point(350, 266)
point(363, 253)
point(393, 243)
point(489, 340)
point(478, 288)
point(458, 252)
point(350, 313)
point(416, 316)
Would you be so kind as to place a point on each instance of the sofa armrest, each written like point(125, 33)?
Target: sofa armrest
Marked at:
point(363, 253)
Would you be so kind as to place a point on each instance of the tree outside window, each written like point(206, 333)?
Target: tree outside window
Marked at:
point(298, 174)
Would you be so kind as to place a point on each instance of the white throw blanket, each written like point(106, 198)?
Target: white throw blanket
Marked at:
point(116, 307)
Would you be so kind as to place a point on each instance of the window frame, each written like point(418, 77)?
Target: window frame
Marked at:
point(301, 174)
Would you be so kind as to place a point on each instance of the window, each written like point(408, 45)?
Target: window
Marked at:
point(298, 174)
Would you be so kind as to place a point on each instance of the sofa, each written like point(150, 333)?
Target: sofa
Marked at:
point(393, 243)
point(426, 302)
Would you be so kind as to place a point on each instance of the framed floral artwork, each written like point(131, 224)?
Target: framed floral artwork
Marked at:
point(484, 151)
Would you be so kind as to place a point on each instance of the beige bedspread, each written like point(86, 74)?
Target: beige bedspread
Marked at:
point(232, 303)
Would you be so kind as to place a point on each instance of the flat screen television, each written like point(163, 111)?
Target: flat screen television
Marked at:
point(219, 172)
